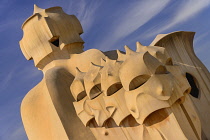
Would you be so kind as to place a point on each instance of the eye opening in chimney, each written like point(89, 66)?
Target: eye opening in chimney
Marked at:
point(194, 85)
point(55, 41)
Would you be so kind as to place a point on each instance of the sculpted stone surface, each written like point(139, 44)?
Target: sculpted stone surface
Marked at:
point(155, 92)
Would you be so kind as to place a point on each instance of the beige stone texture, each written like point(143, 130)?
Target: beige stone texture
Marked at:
point(158, 92)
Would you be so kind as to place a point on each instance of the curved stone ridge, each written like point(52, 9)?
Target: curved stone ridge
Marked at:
point(134, 95)
point(119, 88)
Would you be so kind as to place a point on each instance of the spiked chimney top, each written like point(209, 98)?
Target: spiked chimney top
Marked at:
point(38, 10)
point(50, 33)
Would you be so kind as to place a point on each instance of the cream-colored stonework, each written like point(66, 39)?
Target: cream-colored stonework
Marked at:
point(158, 92)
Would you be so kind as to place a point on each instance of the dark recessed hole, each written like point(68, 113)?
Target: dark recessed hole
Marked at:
point(138, 81)
point(194, 86)
point(55, 41)
point(95, 91)
point(81, 95)
point(106, 133)
point(129, 121)
point(169, 61)
point(161, 70)
point(114, 88)
point(110, 123)
point(157, 117)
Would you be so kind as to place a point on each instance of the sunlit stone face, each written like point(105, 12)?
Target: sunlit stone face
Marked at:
point(49, 31)
point(149, 85)
point(137, 83)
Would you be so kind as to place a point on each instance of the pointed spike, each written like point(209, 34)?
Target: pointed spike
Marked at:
point(120, 55)
point(138, 46)
point(138, 43)
point(37, 9)
point(118, 52)
point(128, 50)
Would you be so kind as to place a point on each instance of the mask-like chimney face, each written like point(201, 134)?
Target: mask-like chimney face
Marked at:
point(48, 31)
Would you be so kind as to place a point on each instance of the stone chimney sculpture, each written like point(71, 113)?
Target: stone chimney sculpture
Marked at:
point(158, 92)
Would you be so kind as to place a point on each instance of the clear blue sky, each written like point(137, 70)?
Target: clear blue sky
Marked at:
point(107, 24)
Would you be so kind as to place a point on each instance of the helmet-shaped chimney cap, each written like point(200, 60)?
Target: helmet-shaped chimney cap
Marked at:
point(38, 10)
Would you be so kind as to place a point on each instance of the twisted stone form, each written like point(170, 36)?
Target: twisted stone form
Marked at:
point(159, 92)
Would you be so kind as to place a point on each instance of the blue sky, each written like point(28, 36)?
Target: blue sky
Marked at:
point(107, 24)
